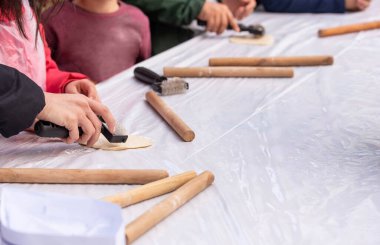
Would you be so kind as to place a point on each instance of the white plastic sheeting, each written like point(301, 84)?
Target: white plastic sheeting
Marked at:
point(296, 161)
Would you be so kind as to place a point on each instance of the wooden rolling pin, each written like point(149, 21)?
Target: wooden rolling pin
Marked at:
point(273, 61)
point(163, 209)
point(340, 30)
point(148, 191)
point(228, 72)
point(79, 176)
point(184, 131)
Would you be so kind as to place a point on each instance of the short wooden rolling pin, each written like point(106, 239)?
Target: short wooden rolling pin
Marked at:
point(184, 131)
point(259, 72)
point(79, 176)
point(148, 191)
point(163, 209)
point(273, 61)
point(340, 30)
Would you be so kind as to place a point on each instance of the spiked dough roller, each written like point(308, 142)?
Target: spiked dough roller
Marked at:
point(159, 83)
point(340, 30)
point(184, 131)
point(79, 176)
point(166, 207)
point(272, 61)
point(232, 71)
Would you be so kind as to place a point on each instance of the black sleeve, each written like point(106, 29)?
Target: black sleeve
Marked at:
point(20, 101)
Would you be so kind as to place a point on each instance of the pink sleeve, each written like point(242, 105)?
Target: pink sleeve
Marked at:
point(146, 46)
point(56, 80)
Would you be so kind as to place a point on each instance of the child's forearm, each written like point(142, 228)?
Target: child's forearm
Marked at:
point(178, 12)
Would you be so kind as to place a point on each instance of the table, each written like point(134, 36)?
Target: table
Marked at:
point(296, 161)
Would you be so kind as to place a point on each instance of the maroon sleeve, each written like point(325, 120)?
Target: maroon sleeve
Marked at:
point(56, 80)
point(146, 45)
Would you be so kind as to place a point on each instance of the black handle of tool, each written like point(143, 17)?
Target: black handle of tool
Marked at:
point(148, 76)
point(204, 23)
point(51, 130)
point(257, 30)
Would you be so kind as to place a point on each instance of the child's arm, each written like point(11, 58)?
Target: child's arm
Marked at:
point(173, 12)
point(146, 44)
point(357, 5)
point(305, 6)
point(218, 17)
point(56, 80)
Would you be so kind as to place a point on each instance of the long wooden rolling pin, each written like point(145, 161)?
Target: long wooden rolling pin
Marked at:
point(340, 30)
point(272, 61)
point(148, 191)
point(184, 131)
point(79, 176)
point(163, 209)
point(228, 72)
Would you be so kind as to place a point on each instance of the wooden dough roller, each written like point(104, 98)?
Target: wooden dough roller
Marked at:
point(272, 61)
point(228, 72)
point(340, 30)
point(148, 191)
point(79, 176)
point(166, 207)
point(184, 131)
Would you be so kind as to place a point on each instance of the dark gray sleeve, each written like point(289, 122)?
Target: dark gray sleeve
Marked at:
point(304, 6)
point(20, 101)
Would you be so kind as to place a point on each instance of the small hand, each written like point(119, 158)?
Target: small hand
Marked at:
point(85, 87)
point(240, 8)
point(218, 17)
point(357, 5)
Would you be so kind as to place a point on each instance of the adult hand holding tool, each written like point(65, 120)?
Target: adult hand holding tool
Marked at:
point(218, 17)
point(74, 111)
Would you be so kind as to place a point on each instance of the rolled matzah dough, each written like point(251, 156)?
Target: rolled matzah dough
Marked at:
point(248, 39)
point(133, 142)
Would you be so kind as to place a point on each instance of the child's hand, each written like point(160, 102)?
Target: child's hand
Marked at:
point(355, 5)
point(218, 17)
point(84, 86)
point(240, 8)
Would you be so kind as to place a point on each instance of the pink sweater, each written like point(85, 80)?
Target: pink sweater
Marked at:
point(97, 45)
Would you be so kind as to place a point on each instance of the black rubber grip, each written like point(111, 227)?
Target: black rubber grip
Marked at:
point(257, 30)
point(51, 130)
point(204, 23)
point(147, 76)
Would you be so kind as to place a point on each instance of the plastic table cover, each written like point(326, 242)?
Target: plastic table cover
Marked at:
point(296, 160)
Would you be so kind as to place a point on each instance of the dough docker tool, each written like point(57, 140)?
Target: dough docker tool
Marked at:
point(256, 30)
point(51, 130)
point(161, 84)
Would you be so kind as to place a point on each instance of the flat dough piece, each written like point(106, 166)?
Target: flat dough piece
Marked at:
point(133, 142)
point(248, 39)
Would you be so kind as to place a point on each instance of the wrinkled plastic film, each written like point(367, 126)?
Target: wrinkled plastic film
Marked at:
point(296, 161)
